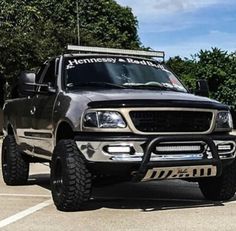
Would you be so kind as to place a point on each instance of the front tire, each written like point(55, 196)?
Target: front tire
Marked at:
point(70, 178)
point(15, 167)
point(220, 188)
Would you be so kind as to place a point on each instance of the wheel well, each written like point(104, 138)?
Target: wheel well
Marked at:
point(64, 131)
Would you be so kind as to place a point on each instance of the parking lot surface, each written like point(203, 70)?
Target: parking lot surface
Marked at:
point(165, 205)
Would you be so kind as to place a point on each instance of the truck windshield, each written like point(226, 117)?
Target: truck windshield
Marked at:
point(125, 72)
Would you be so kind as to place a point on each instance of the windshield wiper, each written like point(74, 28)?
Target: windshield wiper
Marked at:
point(94, 84)
point(152, 85)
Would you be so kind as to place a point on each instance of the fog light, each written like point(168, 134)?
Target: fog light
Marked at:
point(119, 149)
point(223, 147)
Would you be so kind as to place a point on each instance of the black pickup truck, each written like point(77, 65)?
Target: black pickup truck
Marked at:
point(96, 112)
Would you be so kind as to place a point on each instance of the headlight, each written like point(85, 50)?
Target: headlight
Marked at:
point(104, 119)
point(224, 121)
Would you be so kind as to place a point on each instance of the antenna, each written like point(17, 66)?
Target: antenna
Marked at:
point(78, 21)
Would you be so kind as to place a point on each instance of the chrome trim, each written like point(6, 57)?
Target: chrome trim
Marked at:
point(181, 172)
point(160, 158)
point(222, 153)
point(94, 151)
point(131, 128)
point(177, 157)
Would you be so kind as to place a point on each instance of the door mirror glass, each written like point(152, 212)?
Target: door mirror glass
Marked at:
point(25, 84)
point(202, 88)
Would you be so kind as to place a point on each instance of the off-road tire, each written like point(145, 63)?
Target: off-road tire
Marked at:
point(220, 188)
point(15, 167)
point(70, 178)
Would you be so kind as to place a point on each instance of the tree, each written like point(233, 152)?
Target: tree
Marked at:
point(111, 24)
point(33, 30)
point(216, 66)
point(185, 69)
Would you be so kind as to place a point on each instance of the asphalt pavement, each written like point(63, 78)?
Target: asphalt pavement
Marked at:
point(164, 205)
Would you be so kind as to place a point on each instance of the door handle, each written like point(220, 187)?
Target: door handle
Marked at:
point(33, 110)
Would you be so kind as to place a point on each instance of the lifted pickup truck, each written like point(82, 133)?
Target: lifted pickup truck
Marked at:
point(98, 112)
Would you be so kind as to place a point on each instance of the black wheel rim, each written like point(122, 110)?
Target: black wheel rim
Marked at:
point(4, 161)
point(58, 179)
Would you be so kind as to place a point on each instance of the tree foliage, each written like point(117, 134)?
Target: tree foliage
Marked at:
point(33, 30)
point(185, 68)
point(216, 66)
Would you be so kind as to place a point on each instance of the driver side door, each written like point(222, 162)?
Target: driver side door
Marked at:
point(42, 112)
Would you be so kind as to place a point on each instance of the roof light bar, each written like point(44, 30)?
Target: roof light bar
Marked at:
point(159, 54)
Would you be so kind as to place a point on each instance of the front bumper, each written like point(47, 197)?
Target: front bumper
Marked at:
point(163, 157)
point(109, 148)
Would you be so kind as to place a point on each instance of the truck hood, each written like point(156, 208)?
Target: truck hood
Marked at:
point(147, 98)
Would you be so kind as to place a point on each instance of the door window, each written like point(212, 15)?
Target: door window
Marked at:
point(49, 77)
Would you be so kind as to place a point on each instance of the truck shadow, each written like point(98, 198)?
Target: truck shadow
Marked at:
point(148, 205)
point(146, 197)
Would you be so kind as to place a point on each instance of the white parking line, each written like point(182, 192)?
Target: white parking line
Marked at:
point(24, 213)
point(23, 195)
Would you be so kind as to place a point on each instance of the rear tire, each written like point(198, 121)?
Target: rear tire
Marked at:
point(220, 188)
point(70, 178)
point(15, 167)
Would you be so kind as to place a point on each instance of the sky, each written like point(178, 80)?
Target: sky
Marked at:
point(184, 27)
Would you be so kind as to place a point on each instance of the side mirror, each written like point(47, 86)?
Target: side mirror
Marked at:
point(202, 88)
point(25, 84)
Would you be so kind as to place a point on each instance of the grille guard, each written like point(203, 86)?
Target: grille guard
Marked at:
point(146, 164)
